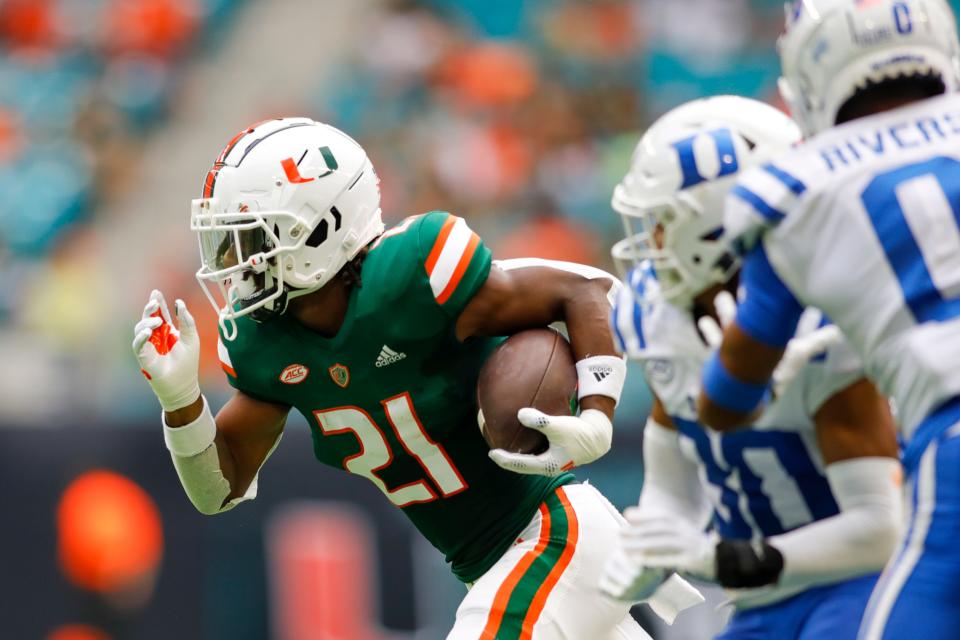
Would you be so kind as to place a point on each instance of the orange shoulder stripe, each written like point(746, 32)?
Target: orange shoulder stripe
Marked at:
point(461, 268)
point(439, 243)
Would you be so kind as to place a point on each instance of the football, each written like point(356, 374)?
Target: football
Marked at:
point(533, 368)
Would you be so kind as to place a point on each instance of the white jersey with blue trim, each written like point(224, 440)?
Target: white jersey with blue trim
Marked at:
point(863, 222)
point(761, 481)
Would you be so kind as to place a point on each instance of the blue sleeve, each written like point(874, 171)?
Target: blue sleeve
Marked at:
point(725, 390)
point(769, 312)
point(626, 317)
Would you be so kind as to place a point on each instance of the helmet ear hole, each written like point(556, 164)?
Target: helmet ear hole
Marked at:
point(319, 235)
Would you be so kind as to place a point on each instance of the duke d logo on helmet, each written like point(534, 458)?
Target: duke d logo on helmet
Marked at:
point(340, 375)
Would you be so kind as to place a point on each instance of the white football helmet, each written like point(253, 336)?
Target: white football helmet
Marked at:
point(831, 48)
point(286, 205)
point(679, 177)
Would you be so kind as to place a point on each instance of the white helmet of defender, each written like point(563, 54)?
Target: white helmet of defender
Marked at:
point(832, 48)
point(679, 177)
point(286, 205)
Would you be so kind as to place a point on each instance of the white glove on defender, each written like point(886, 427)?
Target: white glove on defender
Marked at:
point(173, 376)
point(712, 331)
point(574, 441)
point(629, 577)
point(663, 541)
point(799, 351)
point(623, 579)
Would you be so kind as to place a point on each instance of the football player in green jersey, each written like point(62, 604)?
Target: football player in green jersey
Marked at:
point(377, 337)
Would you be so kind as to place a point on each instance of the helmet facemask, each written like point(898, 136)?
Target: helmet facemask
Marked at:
point(672, 238)
point(241, 254)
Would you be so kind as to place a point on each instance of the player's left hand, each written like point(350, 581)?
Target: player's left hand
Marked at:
point(574, 441)
point(663, 541)
point(623, 579)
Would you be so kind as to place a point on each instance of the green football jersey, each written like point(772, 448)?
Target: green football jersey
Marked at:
point(392, 396)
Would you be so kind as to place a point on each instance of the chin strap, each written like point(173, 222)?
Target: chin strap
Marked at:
point(351, 272)
point(269, 312)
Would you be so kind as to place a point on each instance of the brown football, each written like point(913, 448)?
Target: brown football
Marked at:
point(533, 368)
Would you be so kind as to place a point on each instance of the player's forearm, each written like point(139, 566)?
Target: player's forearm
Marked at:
point(670, 481)
point(857, 541)
point(198, 458)
point(736, 380)
point(189, 415)
point(203, 481)
point(586, 313)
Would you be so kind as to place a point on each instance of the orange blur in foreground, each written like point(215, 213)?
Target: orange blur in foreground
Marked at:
point(77, 632)
point(109, 531)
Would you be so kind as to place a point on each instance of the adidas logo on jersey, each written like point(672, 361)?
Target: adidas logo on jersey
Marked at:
point(389, 356)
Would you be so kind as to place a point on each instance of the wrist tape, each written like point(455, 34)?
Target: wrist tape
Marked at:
point(191, 439)
point(601, 376)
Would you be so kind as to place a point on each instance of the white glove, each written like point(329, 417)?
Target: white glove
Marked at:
point(173, 376)
point(726, 307)
point(623, 579)
point(800, 351)
point(574, 441)
point(662, 541)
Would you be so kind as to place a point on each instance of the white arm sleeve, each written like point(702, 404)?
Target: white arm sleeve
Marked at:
point(588, 272)
point(670, 481)
point(858, 540)
point(194, 453)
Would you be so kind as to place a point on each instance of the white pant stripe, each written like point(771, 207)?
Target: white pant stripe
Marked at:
point(897, 573)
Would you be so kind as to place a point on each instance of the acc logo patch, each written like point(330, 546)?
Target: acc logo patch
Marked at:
point(294, 374)
point(340, 375)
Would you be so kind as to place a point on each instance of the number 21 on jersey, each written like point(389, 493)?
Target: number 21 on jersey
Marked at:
point(375, 453)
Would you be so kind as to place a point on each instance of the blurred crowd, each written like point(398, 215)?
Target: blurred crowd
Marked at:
point(519, 116)
point(83, 83)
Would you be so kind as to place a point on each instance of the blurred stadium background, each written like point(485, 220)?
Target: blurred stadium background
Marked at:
point(520, 116)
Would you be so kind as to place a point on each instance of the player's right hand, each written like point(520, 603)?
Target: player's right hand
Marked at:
point(800, 350)
point(712, 331)
point(573, 441)
point(174, 374)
